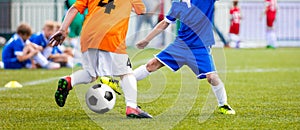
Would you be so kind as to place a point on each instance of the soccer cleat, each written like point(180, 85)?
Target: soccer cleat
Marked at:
point(226, 109)
point(270, 47)
point(114, 84)
point(136, 113)
point(63, 88)
point(226, 45)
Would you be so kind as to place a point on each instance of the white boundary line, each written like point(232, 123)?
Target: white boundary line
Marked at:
point(250, 70)
point(262, 70)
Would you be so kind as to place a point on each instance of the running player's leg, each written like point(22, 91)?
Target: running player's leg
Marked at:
point(95, 63)
point(220, 93)
point(89, 74)
point(202, 64)
point(169, 57)
point(122, 68)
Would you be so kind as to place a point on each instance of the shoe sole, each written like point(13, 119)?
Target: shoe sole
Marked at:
point(138, 116)
point(61, 92)
point(226, 112)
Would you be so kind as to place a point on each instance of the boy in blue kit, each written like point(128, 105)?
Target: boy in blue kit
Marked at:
point(53, 54)
point(19, 53)
point(192, 46)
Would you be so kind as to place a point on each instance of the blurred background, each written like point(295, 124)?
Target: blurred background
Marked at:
point(252, 30)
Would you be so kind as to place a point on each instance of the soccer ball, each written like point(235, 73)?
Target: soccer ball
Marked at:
point(100, 98)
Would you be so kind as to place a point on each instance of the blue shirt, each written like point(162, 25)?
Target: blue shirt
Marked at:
point(195, 22)
point(39, 39)
point(11, 50)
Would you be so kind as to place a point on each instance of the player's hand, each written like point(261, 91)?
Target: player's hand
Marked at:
point(57, 38)
point(142, 44)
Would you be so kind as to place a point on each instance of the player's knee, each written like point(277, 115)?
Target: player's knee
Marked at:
point(153, 65)
point(213, 79)
point(126, 75)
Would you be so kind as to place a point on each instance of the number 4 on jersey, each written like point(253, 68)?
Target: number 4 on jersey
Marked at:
point(108, 4)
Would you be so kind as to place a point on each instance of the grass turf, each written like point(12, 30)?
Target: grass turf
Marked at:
point(262, 86)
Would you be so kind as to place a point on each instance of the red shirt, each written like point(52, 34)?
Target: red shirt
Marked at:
point(235, 20)
point(271, 6)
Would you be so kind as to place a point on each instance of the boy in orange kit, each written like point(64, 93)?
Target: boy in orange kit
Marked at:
point(104, 30)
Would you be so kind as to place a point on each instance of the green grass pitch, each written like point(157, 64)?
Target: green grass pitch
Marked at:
point(263, 86)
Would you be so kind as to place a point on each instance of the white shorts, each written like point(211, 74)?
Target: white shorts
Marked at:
point(103, 63)
point(121, 64)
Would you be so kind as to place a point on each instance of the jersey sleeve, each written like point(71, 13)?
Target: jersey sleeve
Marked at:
point(81, 5)
point(18, 48)
point(36, 40)
point(138, 6)
point(33, 39)
point(172, 15)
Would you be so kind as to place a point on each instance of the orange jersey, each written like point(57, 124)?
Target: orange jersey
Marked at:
point(106, 24)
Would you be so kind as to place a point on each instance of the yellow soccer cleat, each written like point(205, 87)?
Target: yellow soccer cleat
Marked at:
point(114, 84)
point(226, 109)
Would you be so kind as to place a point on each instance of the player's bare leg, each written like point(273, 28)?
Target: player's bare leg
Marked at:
point(220, 93)
point(144, 70)
point(28, 50)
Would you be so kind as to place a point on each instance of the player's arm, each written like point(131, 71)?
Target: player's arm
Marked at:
point(22, 58)
point(35, 46)
point(161, 26)
point(60, 35)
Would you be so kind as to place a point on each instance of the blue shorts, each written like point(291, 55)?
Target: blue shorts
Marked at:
point(199, 60)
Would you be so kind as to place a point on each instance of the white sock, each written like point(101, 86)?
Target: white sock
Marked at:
point(273, 38)
point(129, 86)
point(81, 77)
point(40, 59)
point(141, 72)
point(270, 37)
point(220, 93)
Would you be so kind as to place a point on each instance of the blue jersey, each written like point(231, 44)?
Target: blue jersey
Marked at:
point(39, 39)
point(195, 22)
point(13, 48)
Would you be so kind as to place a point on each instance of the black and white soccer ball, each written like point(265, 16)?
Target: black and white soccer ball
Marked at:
point(100, 98)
